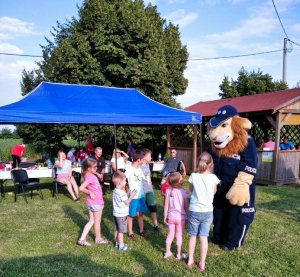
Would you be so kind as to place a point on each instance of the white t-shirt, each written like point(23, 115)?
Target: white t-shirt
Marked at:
point(135, 176)
point(120, 208)
point(202, 197)
point(147, 183)
point(120, 162)
point(65, 169)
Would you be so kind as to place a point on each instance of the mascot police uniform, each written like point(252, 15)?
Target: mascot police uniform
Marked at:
point(235, 162)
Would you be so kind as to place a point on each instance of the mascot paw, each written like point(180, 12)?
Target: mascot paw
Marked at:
point(238, 195)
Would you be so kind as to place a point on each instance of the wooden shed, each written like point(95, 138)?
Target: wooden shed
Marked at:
point(276, 113)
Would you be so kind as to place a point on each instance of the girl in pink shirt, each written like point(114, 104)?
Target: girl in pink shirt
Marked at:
point(175, 211)
point(94, 201)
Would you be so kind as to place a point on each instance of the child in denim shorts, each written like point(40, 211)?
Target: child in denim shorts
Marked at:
point(94, 201)
point(203, 186)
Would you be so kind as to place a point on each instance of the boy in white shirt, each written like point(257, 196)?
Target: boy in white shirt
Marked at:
point(137, 206)
point(120, 209)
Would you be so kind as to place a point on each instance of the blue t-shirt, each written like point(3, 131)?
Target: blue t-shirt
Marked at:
point(286, 146)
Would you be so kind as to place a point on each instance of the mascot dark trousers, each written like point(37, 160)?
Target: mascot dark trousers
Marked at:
point(231, 222)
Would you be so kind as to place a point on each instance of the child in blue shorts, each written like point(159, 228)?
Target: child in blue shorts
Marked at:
point(203, 186)
point(137, 206)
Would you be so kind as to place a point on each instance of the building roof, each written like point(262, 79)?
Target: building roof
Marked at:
point(271, 101)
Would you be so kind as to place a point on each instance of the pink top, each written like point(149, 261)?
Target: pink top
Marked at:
point(93, 186)
point(176, 198)
point(269, 144)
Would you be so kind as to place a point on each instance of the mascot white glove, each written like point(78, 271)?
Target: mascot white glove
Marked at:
point(239, 192)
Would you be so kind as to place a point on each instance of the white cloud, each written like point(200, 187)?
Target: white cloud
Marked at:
point(295, 28)
point(182, 18)
point(10, 48)
point(11, 28)
point(176, 2)
point(153, 2)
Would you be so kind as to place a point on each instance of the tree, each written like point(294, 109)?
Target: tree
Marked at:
point(120, 43)
point(250, 83)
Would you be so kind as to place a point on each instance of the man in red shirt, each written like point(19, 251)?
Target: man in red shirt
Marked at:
point(17, 152)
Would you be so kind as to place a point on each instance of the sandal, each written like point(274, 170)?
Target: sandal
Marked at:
point(84, 243)
point(200, 268)
point(132, 237)
point(101, 241)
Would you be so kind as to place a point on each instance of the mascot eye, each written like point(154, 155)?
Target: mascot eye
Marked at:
point(224, 125)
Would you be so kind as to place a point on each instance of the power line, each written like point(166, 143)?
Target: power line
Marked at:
point(286, 35)
point(195, 59)
point(280, 20)
point(235, 56)
point(20, 55)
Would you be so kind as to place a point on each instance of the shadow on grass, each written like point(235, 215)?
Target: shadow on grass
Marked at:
point(56, 265)
point(80, 221)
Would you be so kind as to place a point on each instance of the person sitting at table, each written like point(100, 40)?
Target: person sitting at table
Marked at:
point(64, 175)
point(286, 144)
point(82, 155)
point(269, 144)
point(118, 160)
point(70, 155)
point(100, 163)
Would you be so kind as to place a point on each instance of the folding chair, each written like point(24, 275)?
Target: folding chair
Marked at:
point(107, 182)
point(22, 184)
point(56, 184)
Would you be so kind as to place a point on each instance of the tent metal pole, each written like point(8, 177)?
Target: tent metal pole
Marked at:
point(78, 137)
point(115, 131)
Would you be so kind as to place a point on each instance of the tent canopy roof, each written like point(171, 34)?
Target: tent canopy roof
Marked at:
point(91, 104)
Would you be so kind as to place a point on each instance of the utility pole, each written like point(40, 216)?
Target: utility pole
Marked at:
point(284, 59)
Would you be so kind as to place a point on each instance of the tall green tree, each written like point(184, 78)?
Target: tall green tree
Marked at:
point(249, 83)
point(120, 43)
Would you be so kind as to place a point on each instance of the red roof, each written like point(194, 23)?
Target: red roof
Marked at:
point(253, 103)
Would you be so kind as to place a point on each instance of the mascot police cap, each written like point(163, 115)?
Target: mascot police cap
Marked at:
point(223, 113)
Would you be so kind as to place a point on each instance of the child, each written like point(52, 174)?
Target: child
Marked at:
point(148, 188)
point(175, 211)
point(137, 206)
point(203, 185)
point(94, 201)
point(120, 209)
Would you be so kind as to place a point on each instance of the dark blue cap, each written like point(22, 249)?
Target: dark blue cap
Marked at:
point(222, 115)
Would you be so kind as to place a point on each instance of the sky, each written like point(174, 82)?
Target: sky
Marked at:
point(209, 29)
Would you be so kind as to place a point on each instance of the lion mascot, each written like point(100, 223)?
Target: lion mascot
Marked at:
point(235, 162)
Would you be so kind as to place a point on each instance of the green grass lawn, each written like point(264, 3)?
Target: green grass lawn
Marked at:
point(39, 239)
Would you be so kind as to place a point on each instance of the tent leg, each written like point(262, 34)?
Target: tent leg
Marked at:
point(115, 131)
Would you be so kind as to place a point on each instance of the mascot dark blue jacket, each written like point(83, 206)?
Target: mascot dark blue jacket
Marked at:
point(235, 162)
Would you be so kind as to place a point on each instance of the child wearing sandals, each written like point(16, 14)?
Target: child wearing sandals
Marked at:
point(203, 186)
point(94, 201)
point(175, 211)
point(120, 209)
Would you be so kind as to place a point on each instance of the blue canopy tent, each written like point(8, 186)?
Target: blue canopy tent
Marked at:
point(91, 104)
point(53, 103)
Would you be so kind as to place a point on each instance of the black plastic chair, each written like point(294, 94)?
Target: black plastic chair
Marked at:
point(56, 184)
point(22, 184)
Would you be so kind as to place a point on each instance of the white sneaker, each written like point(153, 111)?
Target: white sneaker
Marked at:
point(168, 255)
point(183, 256)
point(84, 243)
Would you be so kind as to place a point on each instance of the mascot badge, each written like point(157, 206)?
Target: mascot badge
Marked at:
point(235, 162)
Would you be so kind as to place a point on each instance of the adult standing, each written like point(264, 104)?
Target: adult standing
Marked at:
point(130, 149)
point(100, 163)
point(17, 152)
point(89, 145)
